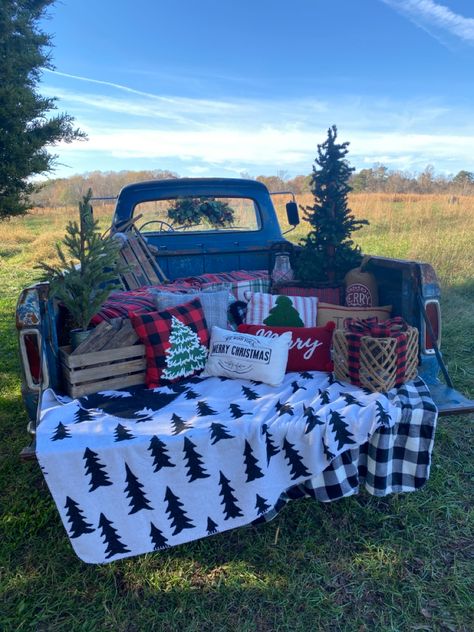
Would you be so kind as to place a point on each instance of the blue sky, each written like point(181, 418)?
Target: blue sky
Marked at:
point(221, 88)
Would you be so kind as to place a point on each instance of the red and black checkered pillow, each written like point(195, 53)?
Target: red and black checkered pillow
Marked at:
point(175, 340)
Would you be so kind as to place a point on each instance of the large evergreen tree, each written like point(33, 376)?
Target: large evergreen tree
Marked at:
point(328, 252)
point(25, 128)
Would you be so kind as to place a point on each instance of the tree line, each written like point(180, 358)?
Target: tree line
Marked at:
point(59, 192)
point(381, 179)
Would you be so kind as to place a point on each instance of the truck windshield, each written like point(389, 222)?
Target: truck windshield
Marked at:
point(198, 214)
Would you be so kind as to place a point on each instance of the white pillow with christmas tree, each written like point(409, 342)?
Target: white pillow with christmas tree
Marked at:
point(280, 310)
point(243, 356)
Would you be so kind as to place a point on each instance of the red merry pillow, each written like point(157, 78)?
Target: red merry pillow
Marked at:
point(310, 349)
point(175, 340)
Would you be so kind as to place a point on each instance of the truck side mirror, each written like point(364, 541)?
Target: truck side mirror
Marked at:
point(292, 213)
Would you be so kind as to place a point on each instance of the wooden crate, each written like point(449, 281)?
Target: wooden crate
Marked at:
point(110, 369)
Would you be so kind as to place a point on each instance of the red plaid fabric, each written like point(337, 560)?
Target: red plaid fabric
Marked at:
point(154, 328)
point(392, 328)
point(228, 277)
point(120, 304)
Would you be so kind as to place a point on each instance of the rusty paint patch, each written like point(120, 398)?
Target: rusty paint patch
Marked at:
point(428, 275)
point(28, 309)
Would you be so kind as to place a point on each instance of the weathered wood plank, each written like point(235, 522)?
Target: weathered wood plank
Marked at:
point(100, 357)
point(134, 275)
point(107, 385)
point(97, 339)
point(138, 250)
point(162, 278)
point(124, 336)
point(97, 373)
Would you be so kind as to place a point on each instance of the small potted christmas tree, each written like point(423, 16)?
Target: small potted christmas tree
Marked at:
point(327, 252)
point(87, 271)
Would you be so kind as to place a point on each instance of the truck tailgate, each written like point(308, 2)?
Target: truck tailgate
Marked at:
point(449, 401)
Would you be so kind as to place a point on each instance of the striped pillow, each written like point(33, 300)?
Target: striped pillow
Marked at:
point(281, 311)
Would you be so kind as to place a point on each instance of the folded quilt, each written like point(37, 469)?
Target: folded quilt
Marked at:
point(139, 470)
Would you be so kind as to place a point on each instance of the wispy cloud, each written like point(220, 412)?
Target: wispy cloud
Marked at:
point(127, 127)
point(435, 18)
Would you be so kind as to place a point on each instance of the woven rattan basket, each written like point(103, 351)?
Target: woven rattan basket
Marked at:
point(378, 359)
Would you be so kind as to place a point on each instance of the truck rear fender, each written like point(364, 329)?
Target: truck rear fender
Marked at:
point(38, 344)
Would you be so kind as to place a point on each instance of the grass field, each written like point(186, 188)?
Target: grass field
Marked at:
point(400, 563)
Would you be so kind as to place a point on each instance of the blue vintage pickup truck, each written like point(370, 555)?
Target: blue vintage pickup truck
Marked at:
point(246, 243)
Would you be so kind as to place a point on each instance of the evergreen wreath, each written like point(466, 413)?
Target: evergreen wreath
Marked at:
point(192, 211)
point(327, 252)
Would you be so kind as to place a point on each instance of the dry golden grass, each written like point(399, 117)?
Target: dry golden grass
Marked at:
point(32, 238)
point(419, 227)
point(410, 226)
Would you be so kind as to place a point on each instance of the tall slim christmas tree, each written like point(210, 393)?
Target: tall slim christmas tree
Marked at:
point(328, 252)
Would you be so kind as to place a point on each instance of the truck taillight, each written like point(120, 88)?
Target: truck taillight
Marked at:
point(433, 314)
point(30, 349)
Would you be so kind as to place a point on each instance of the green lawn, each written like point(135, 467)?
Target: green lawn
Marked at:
point(400, 563)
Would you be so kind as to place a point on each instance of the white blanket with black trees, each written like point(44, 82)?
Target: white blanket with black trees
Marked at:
point(140, 470)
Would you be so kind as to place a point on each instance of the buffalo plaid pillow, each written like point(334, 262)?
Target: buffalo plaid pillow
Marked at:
point(175, 340)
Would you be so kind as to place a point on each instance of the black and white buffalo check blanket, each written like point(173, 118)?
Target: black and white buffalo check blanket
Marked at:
point(139, 470)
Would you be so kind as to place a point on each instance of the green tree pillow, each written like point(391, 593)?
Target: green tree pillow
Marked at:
point(281, 311)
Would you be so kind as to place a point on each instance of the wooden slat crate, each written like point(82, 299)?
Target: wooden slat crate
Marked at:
point(110, 369)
